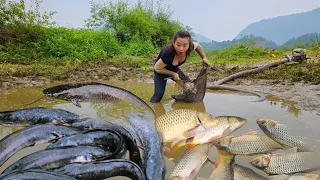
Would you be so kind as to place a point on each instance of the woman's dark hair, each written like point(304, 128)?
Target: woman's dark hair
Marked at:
point(181, 34)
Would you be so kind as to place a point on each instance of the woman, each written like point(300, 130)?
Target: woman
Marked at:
point(169, 60)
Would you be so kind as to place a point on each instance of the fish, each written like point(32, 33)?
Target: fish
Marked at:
point(294, 177)
point(280, 133)
point(244, 173)
point(107, 139)
point(248, 144)
point(224, 168)
point(102, 170)
point(31, 136)
point(181, 124)
point(193, 91)
point(286, 162)
point(153, 164)
point(55, 158)
point(190, 163)
point(77, 92)
point(224, 125)
point(37, 115)
point(131, 139)
point(35, 174)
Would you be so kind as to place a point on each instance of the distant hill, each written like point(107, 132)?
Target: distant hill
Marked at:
point(200, 38)
point(305, 40)
point(247, 40)
point(281, 29)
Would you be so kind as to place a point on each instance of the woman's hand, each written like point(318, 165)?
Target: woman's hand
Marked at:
point(206, 61)
point(175, 77)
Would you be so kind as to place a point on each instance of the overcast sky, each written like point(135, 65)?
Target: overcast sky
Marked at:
point(216, 19)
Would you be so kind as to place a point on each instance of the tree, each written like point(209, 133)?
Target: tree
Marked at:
point(141, 21)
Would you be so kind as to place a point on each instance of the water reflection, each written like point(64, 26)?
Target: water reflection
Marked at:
point(301, 123)
point(291, 106)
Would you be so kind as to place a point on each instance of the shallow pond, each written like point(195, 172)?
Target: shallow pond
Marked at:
point(217, 103)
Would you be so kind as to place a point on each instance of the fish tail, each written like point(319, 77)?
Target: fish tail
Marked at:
point(190, 144)
point(314, 176)
point(176, 178)
point(177, 145)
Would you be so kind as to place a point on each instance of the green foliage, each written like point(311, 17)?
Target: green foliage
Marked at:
point(138, 48)
point(303, 41)
point(134, 22)
point(240, 53)
point(63, 43)
point(246, 40)
point(15, 14)
point(130, 61)
point(309, 72)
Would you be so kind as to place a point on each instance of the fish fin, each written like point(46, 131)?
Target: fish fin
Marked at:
point(176, 178)
point(209, 160)
point(194, 172)
point(167, 152)
point(192, 132)
point(177, 145)
point(190, 146)
point(76, 102)
point(292, 150)
point(226, 132)
point(314, 176)
point(252, 133)
point(216, 164)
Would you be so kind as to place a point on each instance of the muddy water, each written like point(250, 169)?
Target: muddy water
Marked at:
point(217, 103)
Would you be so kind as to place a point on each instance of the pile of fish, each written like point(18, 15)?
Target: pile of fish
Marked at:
point(135, 146)
point(197, 132)
point(82, 148)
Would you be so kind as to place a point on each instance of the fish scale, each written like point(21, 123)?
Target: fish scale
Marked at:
point(218, 129)
point(191, 160)
point(174, 123)
point(286, 163)
point(287, 177)
point(280, 133)
point(244, 173)
point(248, 144)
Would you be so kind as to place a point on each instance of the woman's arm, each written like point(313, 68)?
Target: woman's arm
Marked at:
point(159, 68)
point(200, 51)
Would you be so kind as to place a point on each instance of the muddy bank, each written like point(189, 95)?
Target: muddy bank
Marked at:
point(307, 96)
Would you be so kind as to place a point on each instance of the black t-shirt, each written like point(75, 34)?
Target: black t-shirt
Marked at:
point(167, 57)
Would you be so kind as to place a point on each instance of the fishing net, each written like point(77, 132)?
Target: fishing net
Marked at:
point(193, 91)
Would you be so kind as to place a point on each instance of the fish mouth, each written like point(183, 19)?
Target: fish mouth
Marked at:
point(260, 162)
point(265, 122)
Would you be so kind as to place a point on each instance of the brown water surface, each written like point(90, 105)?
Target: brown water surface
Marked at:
point(217, 103)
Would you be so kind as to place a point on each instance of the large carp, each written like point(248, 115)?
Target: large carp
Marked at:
point(248, 144)
point(181, 124)
point(225, 167)
point(287, 162)
point(281, 134)
point(190, 163)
